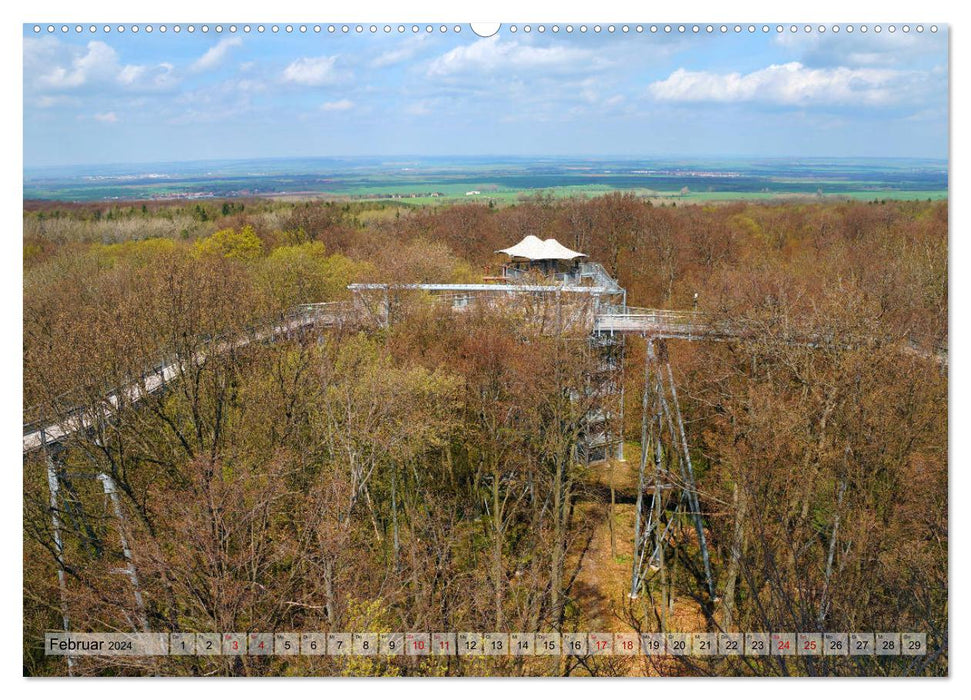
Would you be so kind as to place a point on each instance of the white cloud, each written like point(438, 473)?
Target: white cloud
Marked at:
point(312, 71)
point(337, 106)
point(790, 84)
point(592, 92)
point(494, 55)
point(408, 48)
point(53, 66)
point(215, 55)
point(99, 61)
point(158, 77)
point(130, 74)
point(106, 117)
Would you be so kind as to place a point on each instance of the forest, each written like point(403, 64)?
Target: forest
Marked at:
point(423, 476)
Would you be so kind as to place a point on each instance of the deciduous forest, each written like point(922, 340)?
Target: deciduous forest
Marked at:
point(421, 476)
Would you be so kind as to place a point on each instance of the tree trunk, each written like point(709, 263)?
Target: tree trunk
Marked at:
point(556, 573)
point(739, 504)
point(497, 536)
point(613, 507)
point(394, 516)
point(329, 591)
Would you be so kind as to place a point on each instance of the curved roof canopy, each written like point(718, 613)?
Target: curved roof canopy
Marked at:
point(532, 248)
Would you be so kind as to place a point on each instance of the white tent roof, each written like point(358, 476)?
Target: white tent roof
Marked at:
point(532, 248)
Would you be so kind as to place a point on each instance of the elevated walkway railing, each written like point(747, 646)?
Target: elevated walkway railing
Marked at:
point(659, 321)
point(596, 272)
point(67, 413)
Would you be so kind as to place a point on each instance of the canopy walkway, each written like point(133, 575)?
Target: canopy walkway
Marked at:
point(603, 319)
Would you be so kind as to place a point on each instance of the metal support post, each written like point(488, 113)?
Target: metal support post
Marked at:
point(112, 492)
point(53, 484)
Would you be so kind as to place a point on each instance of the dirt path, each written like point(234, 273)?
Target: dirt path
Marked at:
point(602, 586)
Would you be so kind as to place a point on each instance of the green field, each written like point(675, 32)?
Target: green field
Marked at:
point(506, 197)
point(502, 181)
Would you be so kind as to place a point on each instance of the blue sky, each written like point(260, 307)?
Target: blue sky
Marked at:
point(135, 98)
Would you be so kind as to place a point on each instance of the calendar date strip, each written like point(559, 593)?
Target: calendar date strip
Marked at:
point(486, 644)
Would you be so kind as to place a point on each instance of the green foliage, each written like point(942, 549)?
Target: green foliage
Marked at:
point(146, 252)
point(304, 273)
point(32, 253)
point(747, 224)
point(242, 245)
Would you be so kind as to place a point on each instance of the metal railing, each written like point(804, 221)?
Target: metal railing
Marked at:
point(597, 273)
point(68, 412)
point(661, 322)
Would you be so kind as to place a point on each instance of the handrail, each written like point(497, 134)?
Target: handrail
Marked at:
point(161, 373)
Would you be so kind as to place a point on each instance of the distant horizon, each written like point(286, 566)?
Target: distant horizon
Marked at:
point(600, 157)
point(439, 178)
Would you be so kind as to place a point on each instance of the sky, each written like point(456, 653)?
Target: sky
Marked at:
point(97, 98)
